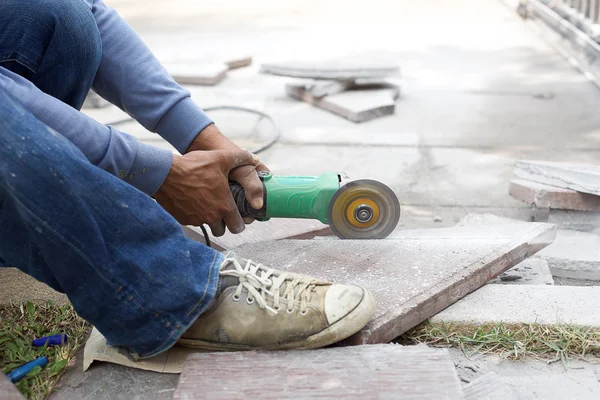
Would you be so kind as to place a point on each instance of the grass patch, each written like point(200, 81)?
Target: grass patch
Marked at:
point(542, 342)
point(20, 323)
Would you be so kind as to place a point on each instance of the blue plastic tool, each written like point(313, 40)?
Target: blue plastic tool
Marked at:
point(18, 373)
point(52, 340)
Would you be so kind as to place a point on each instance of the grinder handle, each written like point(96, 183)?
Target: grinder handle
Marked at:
point(243, 206)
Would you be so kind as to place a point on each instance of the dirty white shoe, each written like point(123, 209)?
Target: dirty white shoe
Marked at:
point(258, 307)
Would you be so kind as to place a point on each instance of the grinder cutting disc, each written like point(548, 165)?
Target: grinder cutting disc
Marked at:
point(363, 209)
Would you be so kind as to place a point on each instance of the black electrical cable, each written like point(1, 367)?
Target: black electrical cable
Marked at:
point(276, 134)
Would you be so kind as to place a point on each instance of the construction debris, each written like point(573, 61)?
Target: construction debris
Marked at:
point(524, 304)
point(386, 371)
point(489, 387)
point(414, 274)
point(574, 255)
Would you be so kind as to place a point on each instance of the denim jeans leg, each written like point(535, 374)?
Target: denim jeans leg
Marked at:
point(124, 262)
point(55, 44)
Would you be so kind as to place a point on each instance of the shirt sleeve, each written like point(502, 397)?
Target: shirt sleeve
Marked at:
point(144, 167)
point(133, 79)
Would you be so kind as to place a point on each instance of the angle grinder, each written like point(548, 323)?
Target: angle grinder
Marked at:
point(360, 209)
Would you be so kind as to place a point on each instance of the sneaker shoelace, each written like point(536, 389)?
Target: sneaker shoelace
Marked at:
point(261, 281)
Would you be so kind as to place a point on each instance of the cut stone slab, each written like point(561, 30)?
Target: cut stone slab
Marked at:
point(532, 271)
point(198, 74)
point(413, 274)
point(574, 255)
point(274, 229)
point(331, 70)
point(322, 88)
point(239, 62)
point(546, 196)
point(17, 286)
point(574, 220)
point(580, 177)
point(8, 391)
point(526, 304)
point(359, 105)
point(386, 371)
point(489, 387)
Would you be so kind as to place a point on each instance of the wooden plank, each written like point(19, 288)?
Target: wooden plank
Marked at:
point(363, 372)
point(274, 229)
point(546, 196)
point(8, 391)
point(413, 274)
point(583, 178)
point(489, 387)
point(359, 105)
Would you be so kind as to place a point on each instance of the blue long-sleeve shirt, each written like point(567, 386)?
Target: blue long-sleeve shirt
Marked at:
point(130, 77)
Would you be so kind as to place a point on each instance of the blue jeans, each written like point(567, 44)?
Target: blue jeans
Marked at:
point(124, 263)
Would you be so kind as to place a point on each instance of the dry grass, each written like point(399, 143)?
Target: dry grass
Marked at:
point(549, 343)
point(20, 323)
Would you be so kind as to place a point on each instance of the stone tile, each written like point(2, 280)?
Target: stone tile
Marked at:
point(198, 74)
point(489, 387)
point(574, 220)
point(546, 196)
point(351, 69)
point(238, 62)
point(532, 271)
point(526, 304)
point(347, 373)
point(18, 286)
point(575, 176)
point(274, 229)
point(574, 255)
point(412, 274)
point(8, 391)
point(358, 105)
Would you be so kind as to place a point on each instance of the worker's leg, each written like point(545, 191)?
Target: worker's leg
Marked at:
point(53, 43)
point(123, 261)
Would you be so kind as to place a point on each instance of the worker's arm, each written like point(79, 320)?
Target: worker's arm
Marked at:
point(143, 166)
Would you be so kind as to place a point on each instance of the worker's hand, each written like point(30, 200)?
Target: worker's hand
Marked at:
point(196, 190)
point(210, 138)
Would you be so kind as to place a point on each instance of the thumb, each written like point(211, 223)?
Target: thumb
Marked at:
point(239, 157)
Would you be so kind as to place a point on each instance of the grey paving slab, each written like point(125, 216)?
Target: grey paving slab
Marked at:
point(8, 390)
point(489, 387)
point(198, 74)
point(546, 196)
point(574, 255)
point(18, 286)
point(348, 373)
point(342, 69)
point(575, 176)
point(358, 105)
point(532, 271)
point(575, 220)
point(412, 274)
point(104, 381)
point(526, 304)
point(531, 379)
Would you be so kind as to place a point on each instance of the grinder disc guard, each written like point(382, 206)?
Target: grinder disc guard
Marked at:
point(363, 209)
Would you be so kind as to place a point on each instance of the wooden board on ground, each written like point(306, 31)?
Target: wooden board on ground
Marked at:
point(358, 105)
point(546, 196)
point(386, 371)
point(583, 178)
point(489, 387)
point(274, 229)
point(413, 274)
point(8, 391)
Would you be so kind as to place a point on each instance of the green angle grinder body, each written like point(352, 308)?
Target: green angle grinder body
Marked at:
point(360, 209)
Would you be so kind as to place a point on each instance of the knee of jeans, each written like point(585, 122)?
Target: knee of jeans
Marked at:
point(65, 30)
